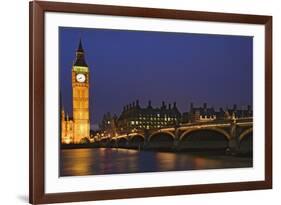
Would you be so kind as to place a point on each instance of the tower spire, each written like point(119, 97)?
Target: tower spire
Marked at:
point(80, 47)
point(80, 59)
point(62, 114)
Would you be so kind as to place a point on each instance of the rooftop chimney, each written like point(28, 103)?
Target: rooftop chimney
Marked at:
point(191, 106)
point(163, 105)
point(205, 105)
point(149, 103)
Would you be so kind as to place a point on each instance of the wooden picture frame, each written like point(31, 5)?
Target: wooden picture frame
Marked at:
point(37, 11)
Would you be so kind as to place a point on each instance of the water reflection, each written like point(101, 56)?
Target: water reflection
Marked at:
point(166, 161)
point(77, 162)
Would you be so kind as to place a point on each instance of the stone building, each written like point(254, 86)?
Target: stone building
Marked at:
point(134, 116)
point(109, 125)
point(207, 114)
point(66, 128)
point(201, 114)
point(238, 113)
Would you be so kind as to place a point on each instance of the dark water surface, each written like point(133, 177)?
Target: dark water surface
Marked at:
point(96, 161)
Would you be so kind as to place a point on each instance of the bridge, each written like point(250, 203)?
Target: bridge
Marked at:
point(233, 135)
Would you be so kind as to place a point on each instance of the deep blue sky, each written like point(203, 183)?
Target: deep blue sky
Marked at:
point(129, 65)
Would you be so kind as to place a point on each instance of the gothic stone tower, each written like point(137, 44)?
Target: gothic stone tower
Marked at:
point(80, 96)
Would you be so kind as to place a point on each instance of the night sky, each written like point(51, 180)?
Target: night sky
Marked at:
point(157, 66)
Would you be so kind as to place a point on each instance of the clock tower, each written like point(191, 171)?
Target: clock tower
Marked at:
point(80, 97)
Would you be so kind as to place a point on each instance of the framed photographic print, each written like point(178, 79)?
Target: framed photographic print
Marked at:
point(139, 102)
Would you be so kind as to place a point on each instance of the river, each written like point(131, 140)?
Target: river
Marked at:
point(97, 161)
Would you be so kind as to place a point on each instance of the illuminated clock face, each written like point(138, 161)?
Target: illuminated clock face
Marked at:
point(80, 78)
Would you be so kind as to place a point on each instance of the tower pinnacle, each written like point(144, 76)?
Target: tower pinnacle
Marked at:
point(80, 47)
point(80, 59)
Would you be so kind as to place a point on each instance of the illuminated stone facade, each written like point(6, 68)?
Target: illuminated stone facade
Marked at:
point(66, 128)
point(202, 114)
point(136, 117)
point(207, 114)
point(77, 130)
point(109, 125)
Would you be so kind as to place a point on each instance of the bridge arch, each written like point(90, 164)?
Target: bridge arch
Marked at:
point(221, 131)
point(246, 141)
point(161, 140)
point(122, 140)
point(137, 141)
point(204, 138)
point(245, 133)
point(112, 142)
point(161, 132)
point(137, 137)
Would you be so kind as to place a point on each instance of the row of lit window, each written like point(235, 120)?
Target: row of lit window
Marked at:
point(158, 119)
point(150, 123)
point(149, 126)
point(153, 115)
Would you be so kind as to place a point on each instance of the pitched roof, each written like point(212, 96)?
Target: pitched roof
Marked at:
point(80, 58)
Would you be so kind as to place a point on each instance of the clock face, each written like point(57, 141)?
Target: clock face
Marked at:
point(81, 78)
